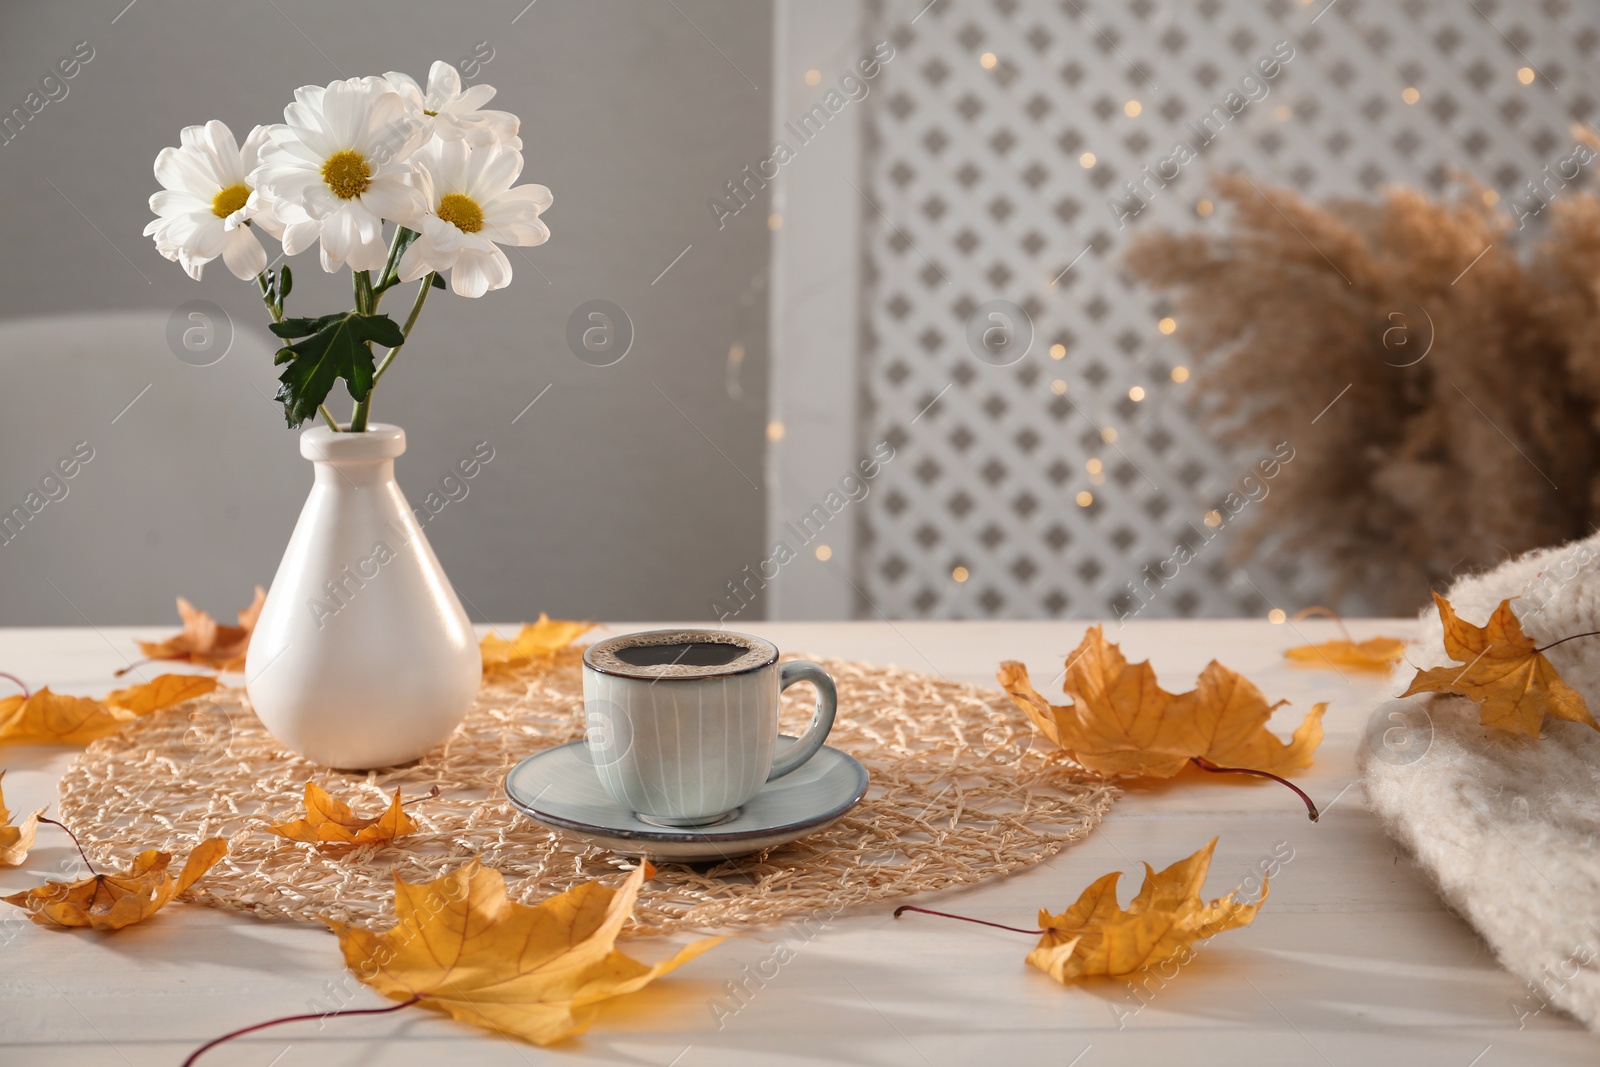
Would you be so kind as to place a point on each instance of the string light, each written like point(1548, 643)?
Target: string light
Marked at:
point(1167, 324)
point(960, 574)
point(1276, 616)
point(1410, 95)
point(1136, 394)
point(988, 60)
point(1084, 498)
point(1058, 351)
point(1180, 374)
point(1132, 109)
point(1086, 160)
point(1094, 466)
point(1525, 75)
point(824, 553)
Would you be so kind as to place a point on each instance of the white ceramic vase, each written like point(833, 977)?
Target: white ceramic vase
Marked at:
point(362, 656)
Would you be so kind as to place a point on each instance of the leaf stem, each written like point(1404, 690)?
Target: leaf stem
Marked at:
point(1564, 640)
point(26, 692)
point(1207, 765)
point(82, 855)
point(266, 298)
point(197, 1053)
point(948, 915)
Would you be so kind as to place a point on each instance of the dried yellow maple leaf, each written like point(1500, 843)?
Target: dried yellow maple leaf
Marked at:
point(538, 973)
point(536, 641)
point(1504, 671)
point(161, 692)
point(205, 641)
point(1121, 722)
point(1097, 937)
point(15, 841)
point(330, 822)
point(54, 718)
point(1373, 654)
point(112, 901)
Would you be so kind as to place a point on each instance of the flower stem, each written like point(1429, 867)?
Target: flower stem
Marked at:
point(83, 855)
point(26, 692)
point(1207, 765)
point(386, 277)
point(327, 417)
point(947, 915)
point(197, 1053)
point(274, 308)
point(411, 320)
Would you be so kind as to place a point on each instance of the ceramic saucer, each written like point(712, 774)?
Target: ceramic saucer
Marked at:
point(559, 788)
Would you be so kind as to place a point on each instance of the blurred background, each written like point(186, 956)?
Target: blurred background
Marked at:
point(877, 340)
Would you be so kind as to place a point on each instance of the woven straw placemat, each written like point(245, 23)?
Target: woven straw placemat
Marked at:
point(959, 793)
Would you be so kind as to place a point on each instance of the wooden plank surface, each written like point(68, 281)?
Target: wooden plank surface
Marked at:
point(1352, 961)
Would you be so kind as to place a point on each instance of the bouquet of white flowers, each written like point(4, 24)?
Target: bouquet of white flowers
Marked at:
point(348, 158)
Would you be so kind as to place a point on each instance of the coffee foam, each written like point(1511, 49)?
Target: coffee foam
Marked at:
point(602, 655)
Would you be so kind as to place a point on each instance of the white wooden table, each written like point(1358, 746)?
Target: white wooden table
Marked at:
point(1352, 961)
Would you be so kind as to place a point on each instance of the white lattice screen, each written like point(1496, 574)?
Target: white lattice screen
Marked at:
point(976, 162)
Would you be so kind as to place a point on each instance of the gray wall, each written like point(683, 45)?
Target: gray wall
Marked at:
point(602, 500)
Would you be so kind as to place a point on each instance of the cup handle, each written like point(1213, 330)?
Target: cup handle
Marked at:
point(801, 670)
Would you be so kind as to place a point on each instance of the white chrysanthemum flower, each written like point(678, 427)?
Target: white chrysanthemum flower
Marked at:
point(335, 170)
point(205, 207)
point(471, 210)
point(455, 114)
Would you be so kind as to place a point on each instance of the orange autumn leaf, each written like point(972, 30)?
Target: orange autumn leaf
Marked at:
point(54, 718)
point(1097, 937)
point(1373, 654)
point(536, 641)
point(1121, 722)
point(205, 641)
point(112, 901)
point(538, 973)
point(15, 841)
point(1504, 671)
point(162, 692)
point(331, 822)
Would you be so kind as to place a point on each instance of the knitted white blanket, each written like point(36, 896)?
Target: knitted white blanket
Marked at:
point(1507, 825)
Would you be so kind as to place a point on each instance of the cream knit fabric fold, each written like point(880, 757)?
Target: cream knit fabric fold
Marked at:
point(1508, 826)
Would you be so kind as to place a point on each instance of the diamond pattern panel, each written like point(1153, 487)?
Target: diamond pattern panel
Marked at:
point(1002, 140)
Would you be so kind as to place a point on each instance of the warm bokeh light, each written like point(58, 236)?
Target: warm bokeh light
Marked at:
point(1086, 160)
point(988, 60)
point(1525, 75)
point(1204, 208)
point(1084, 498)
point(1283, 113)
point(1410, 95)
point(1167, 324)
point(824, 553)
point(1136, 394)
point(1108, 435)
point(1180, 374)
point(1058, 387)
point(1213, 519)
point(1132, 109)
point(774, 430)
point(1058, 351)
point(1490, 198)
point(813, 77)
point(774, 221)
point(1094, 466)
point(1276, 616)
point(960, 574)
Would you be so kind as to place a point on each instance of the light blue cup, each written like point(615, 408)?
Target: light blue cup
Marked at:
point(682, 725)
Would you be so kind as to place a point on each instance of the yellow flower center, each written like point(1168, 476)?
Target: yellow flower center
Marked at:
point(461, 211)
point(229, 200)
point(347, 173)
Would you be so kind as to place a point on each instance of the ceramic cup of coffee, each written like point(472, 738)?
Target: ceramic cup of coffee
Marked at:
point(682, 725)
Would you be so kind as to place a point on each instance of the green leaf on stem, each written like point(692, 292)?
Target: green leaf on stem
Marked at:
point(329, 348)
point(402, 241)
point(285, 283)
